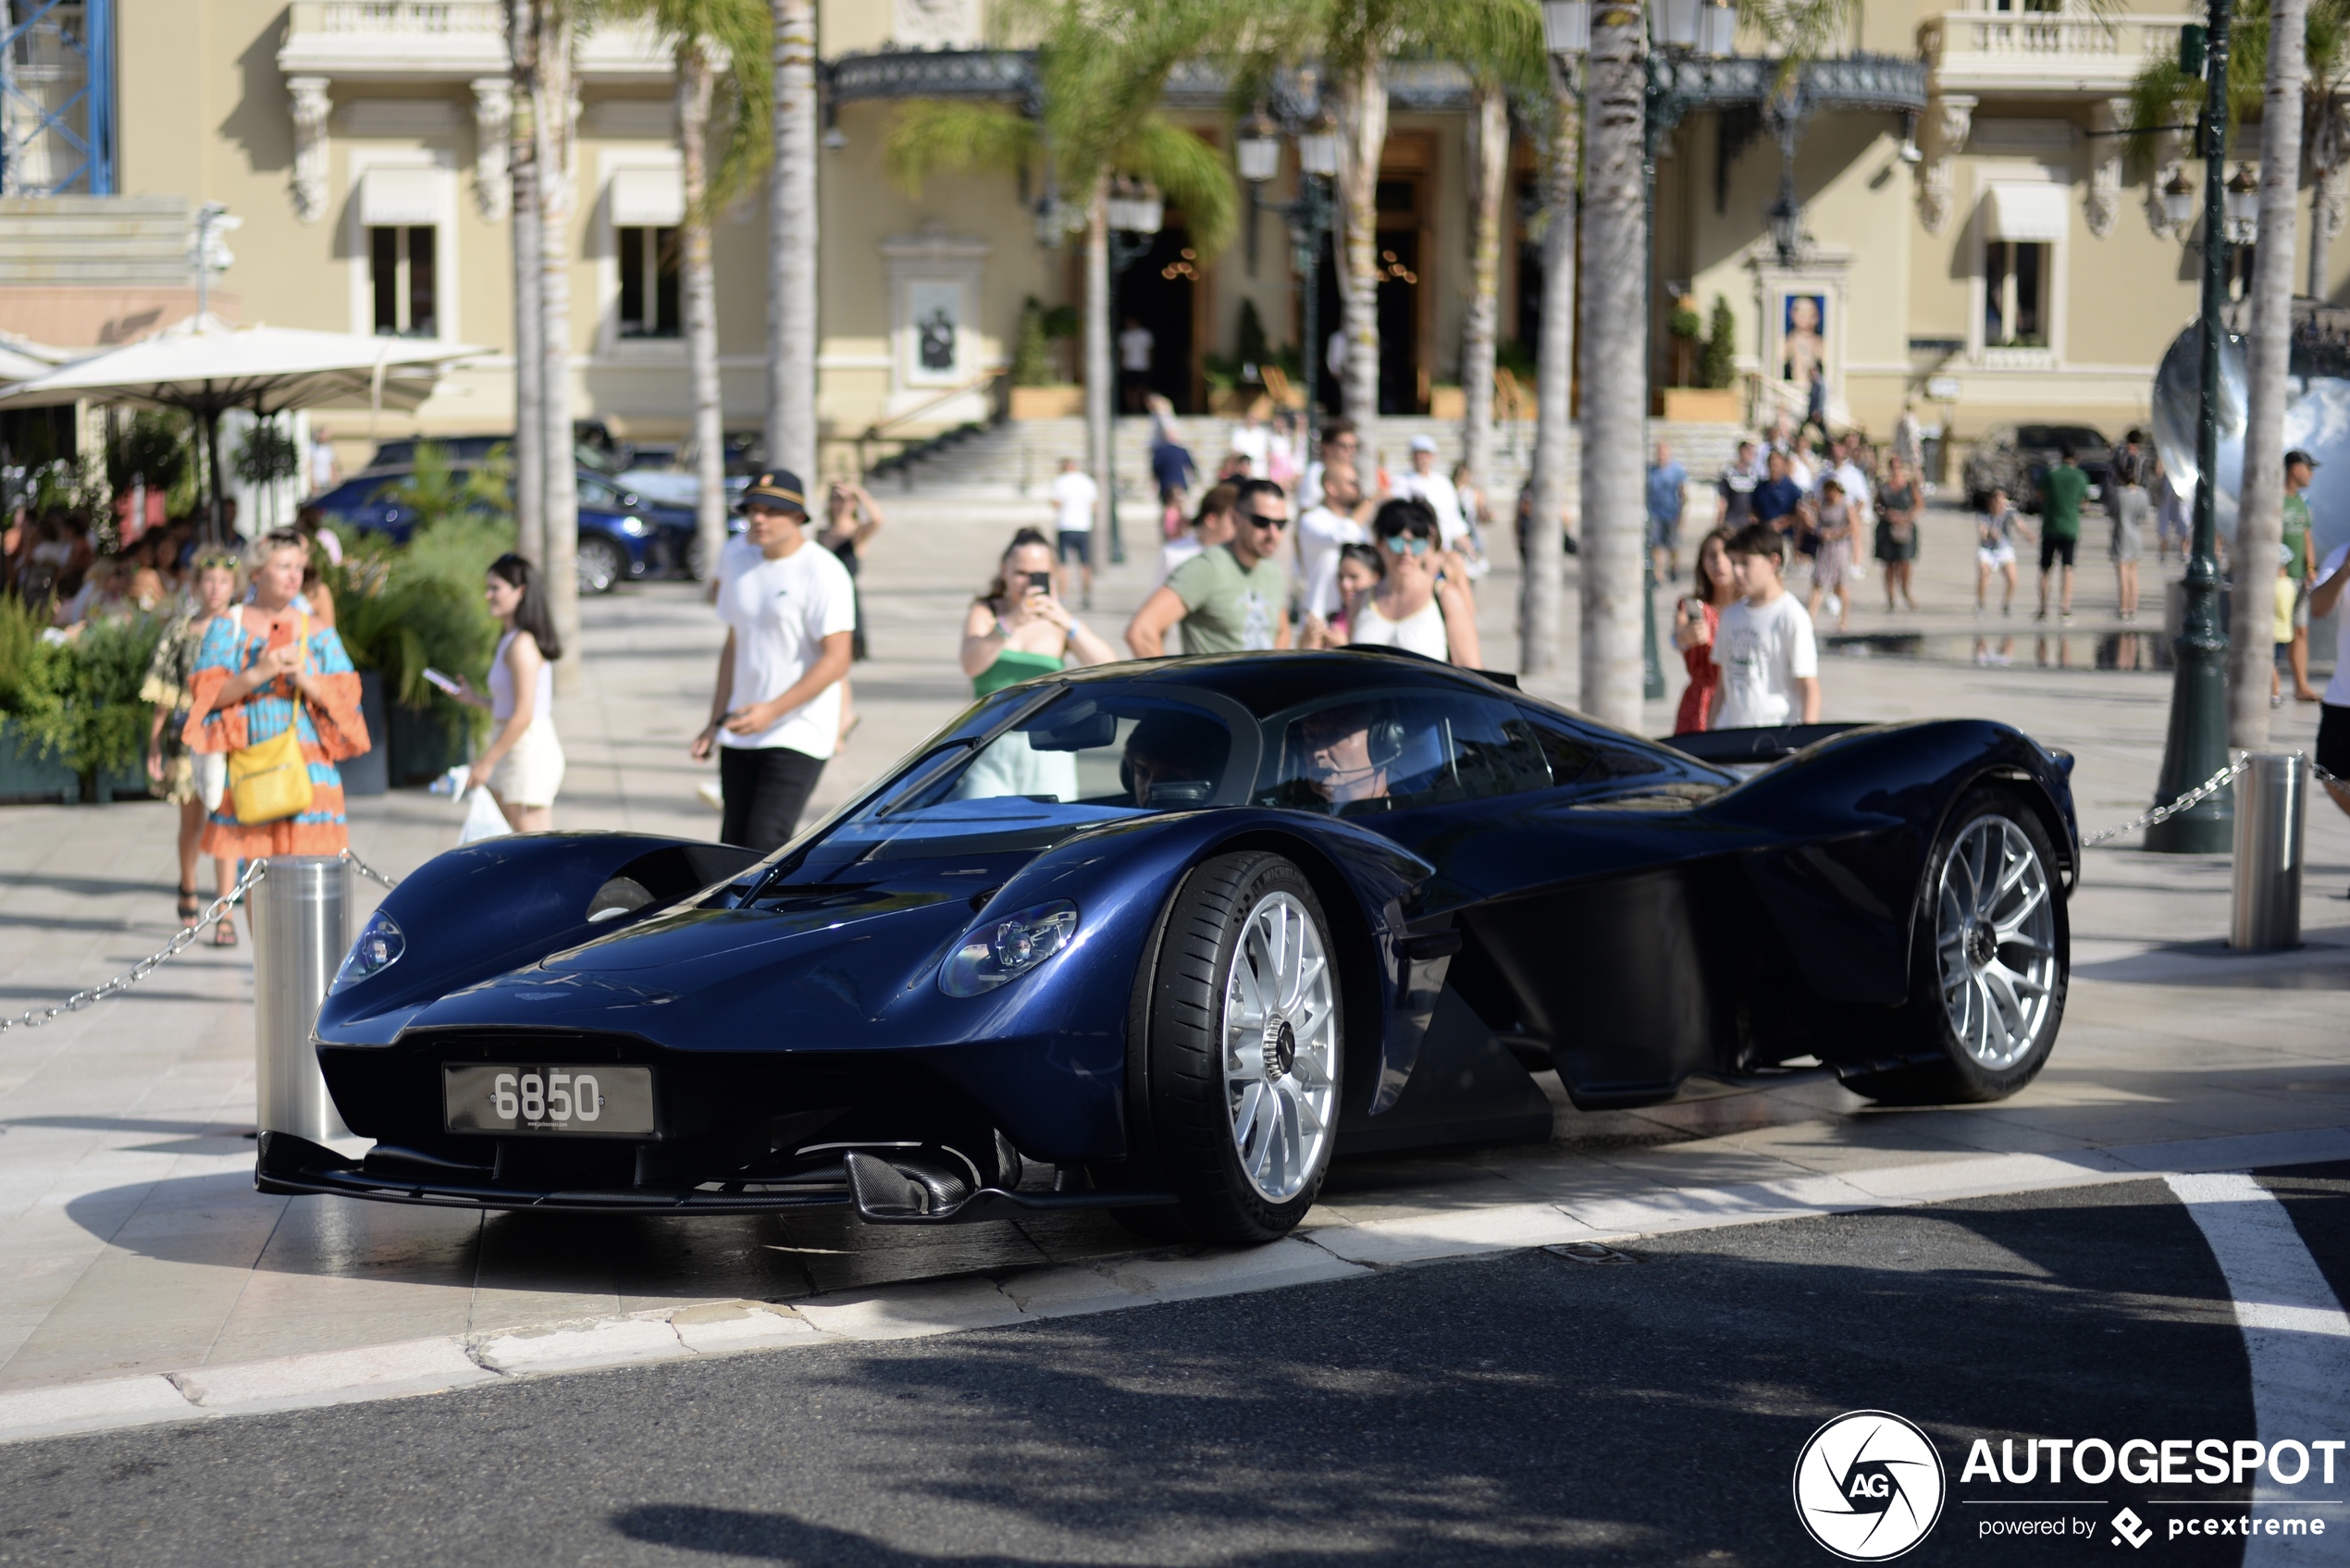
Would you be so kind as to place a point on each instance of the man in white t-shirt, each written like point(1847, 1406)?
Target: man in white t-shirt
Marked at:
point(2333, 718)
point(1770, 664)
point(323, 468)
point(1426, 484)
point(1074, 498)
point(1253, 439)
point(1135, 345)
point(790, 611)
point(1325, 531)
point(1340, 444)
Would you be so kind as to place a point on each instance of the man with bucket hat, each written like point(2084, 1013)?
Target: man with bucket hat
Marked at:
point(791, 612)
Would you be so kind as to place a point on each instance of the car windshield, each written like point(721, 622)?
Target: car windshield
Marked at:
point(1087, 756)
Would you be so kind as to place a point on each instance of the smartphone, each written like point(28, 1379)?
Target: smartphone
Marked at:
point(1040, 582)
point(443, 682)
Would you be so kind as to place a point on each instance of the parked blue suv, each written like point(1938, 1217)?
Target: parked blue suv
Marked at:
point(621, 537)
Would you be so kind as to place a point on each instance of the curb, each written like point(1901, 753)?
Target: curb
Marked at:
point(946, 1306)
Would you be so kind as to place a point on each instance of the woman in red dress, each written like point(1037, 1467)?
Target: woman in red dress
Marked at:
point(1695, 621)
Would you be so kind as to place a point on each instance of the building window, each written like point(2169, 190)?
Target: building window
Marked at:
point(648, 282)
point(401, 268)
point(2015, 294)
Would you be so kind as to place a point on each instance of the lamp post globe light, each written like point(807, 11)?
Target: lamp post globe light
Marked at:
point(2196, 745)
point(1309, 213)
point(2178, 201)
point(2243, 202)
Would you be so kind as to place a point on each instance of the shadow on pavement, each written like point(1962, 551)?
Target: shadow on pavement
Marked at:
point(2321, 963)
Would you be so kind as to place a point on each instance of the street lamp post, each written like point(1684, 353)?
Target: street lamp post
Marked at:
point(1309, 213)
point(1136, 215)
point(2197, 747)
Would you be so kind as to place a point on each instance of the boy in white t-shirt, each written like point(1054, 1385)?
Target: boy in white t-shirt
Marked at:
point(1074, 498)
point(1765, 649)
point(790, 611)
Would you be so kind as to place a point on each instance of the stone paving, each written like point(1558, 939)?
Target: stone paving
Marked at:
point(131, 1242)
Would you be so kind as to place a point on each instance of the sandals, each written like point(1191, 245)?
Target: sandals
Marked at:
point(224, 933)
point(189, 908)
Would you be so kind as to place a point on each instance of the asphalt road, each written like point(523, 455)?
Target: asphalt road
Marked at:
point(1528, 1409)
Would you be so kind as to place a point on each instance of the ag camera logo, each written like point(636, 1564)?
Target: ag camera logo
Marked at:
point(1869, 1485)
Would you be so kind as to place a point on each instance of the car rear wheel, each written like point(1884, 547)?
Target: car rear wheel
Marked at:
point(1991, 959)
point(601, 564)
point(1242, 1052)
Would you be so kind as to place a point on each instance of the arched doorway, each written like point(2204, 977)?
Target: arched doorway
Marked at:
point(1159, 292)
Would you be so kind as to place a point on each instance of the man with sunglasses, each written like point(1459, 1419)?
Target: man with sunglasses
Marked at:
point(1230, 598)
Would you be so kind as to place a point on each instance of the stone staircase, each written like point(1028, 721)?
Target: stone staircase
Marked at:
point(1016, 459)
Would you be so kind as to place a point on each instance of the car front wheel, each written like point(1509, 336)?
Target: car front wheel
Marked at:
point(601, 564)
point(1992, 958)
point(1242, 1051)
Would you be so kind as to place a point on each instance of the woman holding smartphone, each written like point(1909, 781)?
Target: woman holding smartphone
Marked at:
point(1696, 621)
point(1019, 628)
point(524, 763)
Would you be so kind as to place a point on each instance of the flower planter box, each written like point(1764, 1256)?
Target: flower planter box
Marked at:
point(424, 745)
point(1047, 402)
point(25, 775)
point(1447, 403)
point(1699, 405)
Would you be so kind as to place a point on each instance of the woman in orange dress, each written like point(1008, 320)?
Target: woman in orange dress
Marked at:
point(269, 665)
point(1696, 620)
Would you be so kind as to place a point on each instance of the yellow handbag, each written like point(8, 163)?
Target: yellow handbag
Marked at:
point(271, 781)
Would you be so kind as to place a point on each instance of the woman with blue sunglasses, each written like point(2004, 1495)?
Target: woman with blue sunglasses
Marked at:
point(1419, 605)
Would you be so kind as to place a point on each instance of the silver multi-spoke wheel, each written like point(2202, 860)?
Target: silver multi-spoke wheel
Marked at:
point(1995, 942)
point(1281, 1048)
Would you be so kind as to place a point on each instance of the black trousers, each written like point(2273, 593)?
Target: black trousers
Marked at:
point(765, 789)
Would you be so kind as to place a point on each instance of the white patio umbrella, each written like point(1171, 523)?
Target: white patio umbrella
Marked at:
point(16, 365)
point(205, 366)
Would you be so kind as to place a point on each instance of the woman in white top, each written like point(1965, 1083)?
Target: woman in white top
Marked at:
point(1413, 608)
point(523, 765)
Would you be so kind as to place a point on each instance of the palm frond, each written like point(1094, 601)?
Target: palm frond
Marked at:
point(742, 139)
point(1191, 174)
point(948, 136)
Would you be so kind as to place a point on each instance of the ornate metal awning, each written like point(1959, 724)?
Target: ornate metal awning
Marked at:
point(1850, 83)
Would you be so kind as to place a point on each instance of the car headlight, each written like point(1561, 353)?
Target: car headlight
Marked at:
point(1007, 947)
point(380, 945)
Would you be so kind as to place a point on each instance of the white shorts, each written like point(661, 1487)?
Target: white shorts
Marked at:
point(2002, 556)
point(532, 774)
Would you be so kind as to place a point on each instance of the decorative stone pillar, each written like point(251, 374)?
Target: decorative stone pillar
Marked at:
point(1947, 120)
point(493, 131)
point(2104, 203)
point(311, 106)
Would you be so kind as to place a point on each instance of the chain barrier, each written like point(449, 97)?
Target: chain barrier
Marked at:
point(33, 1017)
point(2195, 798)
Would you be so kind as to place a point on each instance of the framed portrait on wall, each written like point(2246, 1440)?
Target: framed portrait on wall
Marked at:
point(1803, 337)
point(935, 320)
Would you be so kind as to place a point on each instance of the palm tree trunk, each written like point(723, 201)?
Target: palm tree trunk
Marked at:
point(522, 160)
point(1362, 113)
point(1489, 170)
point(2260, 518)
point(2325, 194)
point(699, 288)
point(551, 115)
point(1099, 430)
point(1614, 368)
point(791, 279)
point(1540, 626)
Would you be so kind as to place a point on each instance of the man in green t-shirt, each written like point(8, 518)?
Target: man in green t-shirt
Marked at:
point(2298, 466)
point(2062, 489)
point(1229, 598)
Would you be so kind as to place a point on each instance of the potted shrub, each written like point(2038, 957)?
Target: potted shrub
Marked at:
point(1039, 390)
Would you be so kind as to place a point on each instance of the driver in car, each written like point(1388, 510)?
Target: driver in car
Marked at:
point(1344, 762)
point(1176, 755)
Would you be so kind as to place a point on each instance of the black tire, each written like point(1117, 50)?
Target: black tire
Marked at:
point(1185, 1094)
point(1942, 1068)
point(601, 564)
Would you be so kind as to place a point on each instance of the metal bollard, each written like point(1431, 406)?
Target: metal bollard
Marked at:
point(2271, 793)
point(300, 932)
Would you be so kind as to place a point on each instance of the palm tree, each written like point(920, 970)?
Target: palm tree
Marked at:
point(522, 162)
point(1101, 80)
point(1501, 44)
point(1615, 364)
point(2260, 516)
point(557, 43)
point(1543, 568)
point(791, 216)
point(742, 31)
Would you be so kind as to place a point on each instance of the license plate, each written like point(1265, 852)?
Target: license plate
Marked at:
point(600, 1101)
